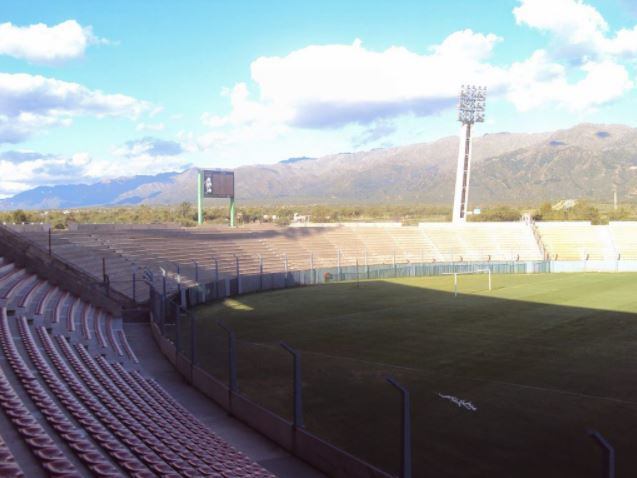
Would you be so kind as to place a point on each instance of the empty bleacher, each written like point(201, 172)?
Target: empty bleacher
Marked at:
point(624, 235)
point(482, 241)
point(199, 255)
point(71, 387)
point(576, 240)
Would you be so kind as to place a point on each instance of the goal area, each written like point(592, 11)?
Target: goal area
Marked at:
point(457, 278)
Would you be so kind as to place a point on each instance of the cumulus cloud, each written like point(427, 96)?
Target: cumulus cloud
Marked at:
point(22, 170)
point(41, 43)
point(29, 103)
point(331, 86)
point(579, 29)
point(149, 146)
point(538, 81)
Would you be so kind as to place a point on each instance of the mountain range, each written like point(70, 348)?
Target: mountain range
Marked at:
point(586, 161)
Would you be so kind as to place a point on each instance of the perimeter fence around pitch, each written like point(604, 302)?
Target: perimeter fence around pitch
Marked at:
point(239, 283)
point(265, 386)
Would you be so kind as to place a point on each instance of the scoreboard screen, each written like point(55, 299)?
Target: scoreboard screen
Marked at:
point(218, 184)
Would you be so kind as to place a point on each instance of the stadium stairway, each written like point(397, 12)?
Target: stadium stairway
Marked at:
point(77, 401)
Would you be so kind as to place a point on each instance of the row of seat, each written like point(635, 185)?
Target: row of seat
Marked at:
point(61, 309)
point(188, 255)
point(9, 468)
point(579, 240)
point(191, 255)
point(97, 414)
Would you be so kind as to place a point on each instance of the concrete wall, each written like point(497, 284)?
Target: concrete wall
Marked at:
point(594, 266)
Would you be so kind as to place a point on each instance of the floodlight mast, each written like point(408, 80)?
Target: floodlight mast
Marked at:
point(471, 108)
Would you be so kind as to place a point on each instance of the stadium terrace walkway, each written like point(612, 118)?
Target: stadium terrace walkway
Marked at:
point(241, 437)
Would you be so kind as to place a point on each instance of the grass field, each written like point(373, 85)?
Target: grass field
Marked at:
point(542, 357)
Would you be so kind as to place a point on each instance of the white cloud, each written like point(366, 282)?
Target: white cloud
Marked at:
point(29, 103)
point(41, 43)
point(580, 31)
point(330, 86)
point(150, 127)
point(149, 146)
point(22, 170)
point(537, 82)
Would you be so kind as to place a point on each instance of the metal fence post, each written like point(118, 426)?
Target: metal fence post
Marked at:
point(312, 268)
point(285, 268)
point(358, 278)
point(366, 265)
point(177, 332)
point(196, 271)
point(238, 267)
point(103, 269)
point(178, 281)
point(298, 399)
point(394, 260)
point(163, 314)
point(216, 278)
point(405, 467)
point(232, 358)
point(192, 338)
point(608, 451)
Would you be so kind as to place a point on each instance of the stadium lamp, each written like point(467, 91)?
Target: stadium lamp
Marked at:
point(471, 106)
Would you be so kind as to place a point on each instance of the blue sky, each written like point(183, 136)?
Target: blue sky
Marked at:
point(92, 90)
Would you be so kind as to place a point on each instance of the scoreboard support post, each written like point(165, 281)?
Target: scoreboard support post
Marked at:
point(232, 211)
point(200, 197)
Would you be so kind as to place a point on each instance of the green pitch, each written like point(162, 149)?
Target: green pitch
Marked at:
point(542, 358)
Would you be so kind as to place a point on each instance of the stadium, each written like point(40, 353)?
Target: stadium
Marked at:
point(510, 337)
point(362, 349)
point(231, 348)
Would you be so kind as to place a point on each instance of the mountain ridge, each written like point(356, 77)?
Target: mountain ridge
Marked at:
point(585, 161)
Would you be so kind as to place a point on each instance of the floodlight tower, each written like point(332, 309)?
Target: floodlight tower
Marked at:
point(470, 111)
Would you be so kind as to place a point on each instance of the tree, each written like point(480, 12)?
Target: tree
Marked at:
point(19, 216)
point(184, 209)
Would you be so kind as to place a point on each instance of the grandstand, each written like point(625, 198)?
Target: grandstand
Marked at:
point(190, 256)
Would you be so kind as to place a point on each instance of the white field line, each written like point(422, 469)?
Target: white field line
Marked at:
point(473, 379)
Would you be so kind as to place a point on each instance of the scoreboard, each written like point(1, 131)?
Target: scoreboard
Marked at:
point(218, 184)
